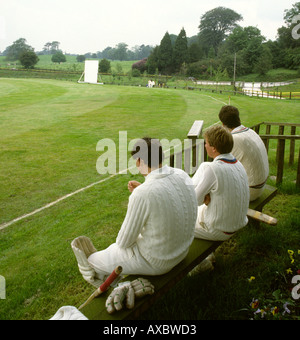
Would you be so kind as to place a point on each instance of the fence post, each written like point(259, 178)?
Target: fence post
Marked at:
point(280, 161)
point(172, 159)
point(280, 132)
point(268, 130)
point(256, 128)
point(292, 146)
point(298, 172)
point(194, 134)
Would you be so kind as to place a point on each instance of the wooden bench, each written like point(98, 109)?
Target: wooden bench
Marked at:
point(198, 251)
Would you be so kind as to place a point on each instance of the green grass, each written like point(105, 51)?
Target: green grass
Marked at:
point(48, 136)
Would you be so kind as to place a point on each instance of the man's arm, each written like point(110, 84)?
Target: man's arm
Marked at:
point(135, 220)
point(204, 181)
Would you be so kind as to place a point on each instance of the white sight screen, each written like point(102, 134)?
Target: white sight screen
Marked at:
point(91, 71)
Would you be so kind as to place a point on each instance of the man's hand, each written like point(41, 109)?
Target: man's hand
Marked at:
point(132, 185)
point(207, 199)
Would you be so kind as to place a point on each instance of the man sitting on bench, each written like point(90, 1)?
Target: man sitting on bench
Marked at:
point(159, 225)
point(249, 149)
point(221, 188)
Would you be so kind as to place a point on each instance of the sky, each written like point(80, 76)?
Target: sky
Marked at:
point(83, 26)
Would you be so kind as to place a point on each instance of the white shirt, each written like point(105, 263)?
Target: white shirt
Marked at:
point(250, 150)
point(161, 217)
point(225, 179)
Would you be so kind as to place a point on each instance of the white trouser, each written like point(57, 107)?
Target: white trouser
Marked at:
point(205, 232)
point(255, 193)
point(132, 262)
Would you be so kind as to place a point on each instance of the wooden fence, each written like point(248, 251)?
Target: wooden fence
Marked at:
point(281, 136)
point(194, 154)
point(191, 156)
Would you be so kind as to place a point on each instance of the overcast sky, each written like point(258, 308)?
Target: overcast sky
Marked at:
point(83, 26)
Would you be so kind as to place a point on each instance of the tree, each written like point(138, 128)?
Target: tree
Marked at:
point(140, 65)
point(14, 51)
point(237, 40)
point(54, 46)
point(153, 60)
point(278, 54)
point(46, 48)
point(51, 47)
point(80, 58)
point(58, 58)
point(180, 54)
point(141, 52)
point(215, 25)
point(246, 43)
point(195, 52)
point(104, 66)
point(291, 13)
point(286, 34)
point(121, 52)
point(264, 62)
point(28, 59)
point(165, 55)
point(288, 38)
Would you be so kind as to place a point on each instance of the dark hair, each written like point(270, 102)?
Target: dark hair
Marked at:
point(230, 116)
point(220, 138)
point(149, 150)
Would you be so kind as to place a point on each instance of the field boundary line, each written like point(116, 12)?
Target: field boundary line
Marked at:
point(7, 224)
point(49, 205)
point(217, 100)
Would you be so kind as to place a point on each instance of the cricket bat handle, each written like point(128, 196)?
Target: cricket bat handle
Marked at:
point(105, 285)
point(259, 216)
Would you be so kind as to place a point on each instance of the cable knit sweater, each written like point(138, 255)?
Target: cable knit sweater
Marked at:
point(250, 150)
point(161, 217)
point(226, 181)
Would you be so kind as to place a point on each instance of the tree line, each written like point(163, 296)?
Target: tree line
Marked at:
point(119, 52)
point(221, 49)
point(225, 49)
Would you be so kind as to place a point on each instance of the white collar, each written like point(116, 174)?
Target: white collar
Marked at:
point(159, 173)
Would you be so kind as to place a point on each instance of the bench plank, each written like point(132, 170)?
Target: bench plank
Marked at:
point(268, 194)
point(199, 250)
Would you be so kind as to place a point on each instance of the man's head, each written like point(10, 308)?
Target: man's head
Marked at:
point(230, 116)
point(148, 153)
point(218, 140)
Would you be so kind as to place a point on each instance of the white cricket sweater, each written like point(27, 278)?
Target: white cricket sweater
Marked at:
point(250, 150)
point(225, 179)
point(161, 218)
